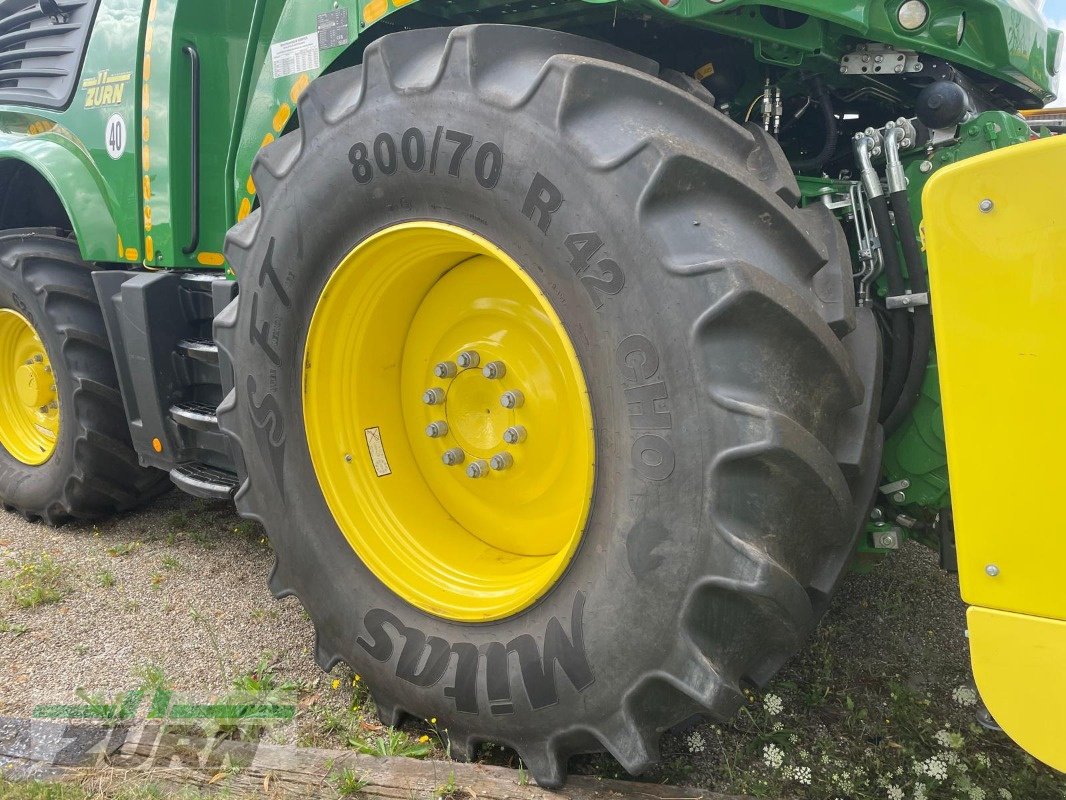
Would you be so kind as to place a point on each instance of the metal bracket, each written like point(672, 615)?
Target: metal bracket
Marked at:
point(895, 486)
point(908, 300)
point(880, 59)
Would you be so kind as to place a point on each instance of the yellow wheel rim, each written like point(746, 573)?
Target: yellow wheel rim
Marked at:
point(391, 393)
point(29, 403)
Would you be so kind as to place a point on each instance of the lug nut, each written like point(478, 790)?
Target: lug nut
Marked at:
point(433, 397)
point(494, 370)
point(453, 457)
point(515, 434)
point(986, 206)
point(445, 369)
point(512, 399)
point(435, 430)
point(38, 358)
point(501, 461)
point(468, 359)
point(477, 469)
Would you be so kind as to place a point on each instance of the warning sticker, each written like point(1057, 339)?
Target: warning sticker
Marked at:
point(377, 452)
point(295, 55)
point(333, 29)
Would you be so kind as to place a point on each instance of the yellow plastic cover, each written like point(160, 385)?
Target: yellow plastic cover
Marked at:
point(996, 241)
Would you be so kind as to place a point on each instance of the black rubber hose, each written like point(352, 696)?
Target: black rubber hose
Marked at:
point(901, 330)
point(829, 146)
point(923, 319)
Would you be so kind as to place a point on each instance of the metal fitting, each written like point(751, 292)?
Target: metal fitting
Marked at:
point(436, 430)
point(501, 461)
point(864, 146)
point(477, 469)
point(453, 457)
point(516, 434)
point(494, 370)
point(986, 206)
point(433, 397)
point(992, 570)
point(897, 178)
point(899, 498)
point(445, 369)
point(468, 359)
point(512, 399)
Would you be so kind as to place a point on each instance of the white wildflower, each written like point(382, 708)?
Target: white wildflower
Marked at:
point(696, 743)
point(951, 757)
point(825, 758)
point(1005, 794)
point(777, 727)
point(935, 768)
point(801, 775)
point(965, 696)
point(919, 791)
point(984, 760)
point(977, 793)
point(793, 738)
point(773, 755)
point(949, 740)
point(773, 704)
point(894, 793)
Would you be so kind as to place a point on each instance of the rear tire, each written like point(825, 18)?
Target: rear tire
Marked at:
point(732, 383)
point(93, 470)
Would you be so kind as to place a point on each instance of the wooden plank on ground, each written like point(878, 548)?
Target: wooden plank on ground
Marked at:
point(264, 769)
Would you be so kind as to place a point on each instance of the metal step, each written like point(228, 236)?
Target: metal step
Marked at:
point(204, 350)
point(197, 416)
point(200, 480)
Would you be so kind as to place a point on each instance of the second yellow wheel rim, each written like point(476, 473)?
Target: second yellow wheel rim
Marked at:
point(448, 421)
point(29, 402)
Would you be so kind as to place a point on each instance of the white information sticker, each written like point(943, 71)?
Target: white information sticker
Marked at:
point(377, 452)
point(295, 55)
point(115, 136)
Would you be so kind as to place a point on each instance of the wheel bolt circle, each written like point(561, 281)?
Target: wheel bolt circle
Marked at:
point(494, 370)
point(501, 461)
point(516, 434)
point(433, 397)
point(453, 457)
point(512, 399)
point(445, 369)
point(436, 430)
point(468, 359)
point(477, 469)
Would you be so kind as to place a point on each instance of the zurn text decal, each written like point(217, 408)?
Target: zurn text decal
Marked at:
point(425, 660)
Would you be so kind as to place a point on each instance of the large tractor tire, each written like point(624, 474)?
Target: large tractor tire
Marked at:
point(590, 273)
point(65, 450)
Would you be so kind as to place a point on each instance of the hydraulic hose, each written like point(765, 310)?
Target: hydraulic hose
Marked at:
point(923, 319)
point(900, 325)
point(829, 145)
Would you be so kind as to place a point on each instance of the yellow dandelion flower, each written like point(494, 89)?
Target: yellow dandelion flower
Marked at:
point(336, 683)
point(433, 721)
point(356, 680)
point(423, 738)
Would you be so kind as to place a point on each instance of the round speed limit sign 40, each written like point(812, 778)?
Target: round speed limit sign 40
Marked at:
point(115, 137)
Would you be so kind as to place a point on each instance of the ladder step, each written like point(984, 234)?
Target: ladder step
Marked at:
point(195, 415)
point(204, 350)
point(201, 480)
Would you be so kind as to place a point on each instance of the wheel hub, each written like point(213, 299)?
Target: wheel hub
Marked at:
point(460, 380)
point(29, 401)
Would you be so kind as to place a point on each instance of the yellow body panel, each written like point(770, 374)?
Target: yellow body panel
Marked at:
point(996, 241)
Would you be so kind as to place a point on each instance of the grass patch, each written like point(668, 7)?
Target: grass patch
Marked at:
point(393, 743)
point(122, 550)
point(105, 578)
point(349, 782)
point(15, 629)
point(38, 581)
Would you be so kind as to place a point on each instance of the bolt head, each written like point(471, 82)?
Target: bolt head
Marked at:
point(887, 541)
point(992, 570)
point(433, 397)
point(515, 434)
point(436, 430)
point(348, 457)
point(477, 469)
point(38, 358)
point(468, 359)
point(986, 206)
point(926, 167)
point(512, 399)
point(501, 461)
point(445, 369)
point(877, 515)
point(453, 457)
point(494, 370)
point(899, 498)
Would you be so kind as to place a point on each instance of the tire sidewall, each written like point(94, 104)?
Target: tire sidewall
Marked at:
point(644, 538)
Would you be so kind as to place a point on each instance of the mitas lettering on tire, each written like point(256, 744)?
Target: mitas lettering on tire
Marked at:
point(712, 370)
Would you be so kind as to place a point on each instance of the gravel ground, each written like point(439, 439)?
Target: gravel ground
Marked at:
point(189, 597)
